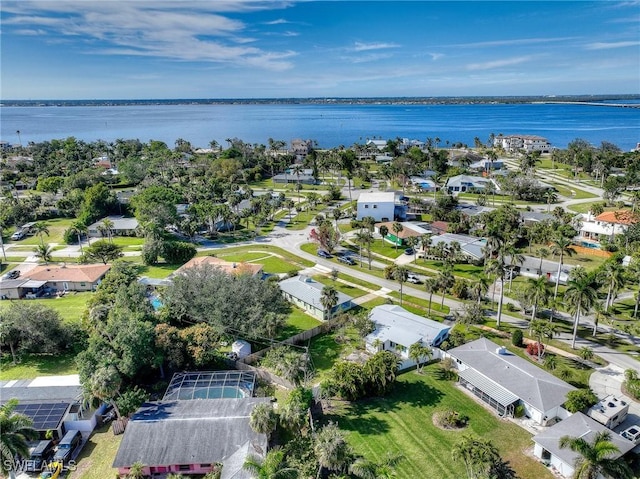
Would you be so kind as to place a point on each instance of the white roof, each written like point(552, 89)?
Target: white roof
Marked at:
point(377, 197)
point(396, 324)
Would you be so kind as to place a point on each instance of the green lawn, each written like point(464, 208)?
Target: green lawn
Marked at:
point(157, 271)
point(586, 207)
point(297, 322)
point(34, 365)
point(274, 264)
point(70, 306)
point(349, 290)
point(402, 423)
point(56, 227)
point(94, 462)
point(423, 304)
point(569, 191)
point(127, 240)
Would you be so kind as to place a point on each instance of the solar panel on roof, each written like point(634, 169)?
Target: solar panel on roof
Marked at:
point(44, 415)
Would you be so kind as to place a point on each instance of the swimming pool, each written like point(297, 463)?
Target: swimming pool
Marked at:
point(155, 302)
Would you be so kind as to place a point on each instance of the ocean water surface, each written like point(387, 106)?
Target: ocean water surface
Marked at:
point(330, 125)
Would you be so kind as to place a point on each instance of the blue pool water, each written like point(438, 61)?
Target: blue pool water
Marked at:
point(156, 303)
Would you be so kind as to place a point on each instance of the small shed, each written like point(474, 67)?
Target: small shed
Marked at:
point(241, 348)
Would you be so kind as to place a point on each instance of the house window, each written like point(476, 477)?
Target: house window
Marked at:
point(82, 285)
point(366, 207)
point(375, 207)
point(184, 467)
point(205, 465)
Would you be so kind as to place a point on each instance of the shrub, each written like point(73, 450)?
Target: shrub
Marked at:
point(519, 410)
point(516, 338)
point(450, 419)
point(511, 307)
point(580, 400)
point(177, 252)
point(459, 289)
point(448, 369)
point(535, 349)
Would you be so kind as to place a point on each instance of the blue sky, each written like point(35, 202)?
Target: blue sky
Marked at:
point(91, 49)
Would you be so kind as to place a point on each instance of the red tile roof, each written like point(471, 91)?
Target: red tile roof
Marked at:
point(73, 273)
point(622, 217)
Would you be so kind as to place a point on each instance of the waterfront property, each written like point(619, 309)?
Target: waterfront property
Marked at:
point(397, 329)
point(503, 381)
point(528, 143)
point(562, 460)
point(306, 293)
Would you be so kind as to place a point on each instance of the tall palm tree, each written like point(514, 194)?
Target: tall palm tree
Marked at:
point(596, 457)
point(364, 238)
point(397, 228)
point(43, 252)
point(480, 288)
point(412, 242)
point(542, 254)
point(425, 241)
point(613, 275)
point(430, 286)
point(580, 297)
point(271, 467)
point(400, 274)
point(497, 267)
point(419, 353)
point(40, 228)
point(514, 258)
point(79, 228)
point(445, 280)
point(329, 299)
point(538, 292)
point(16, 430)
point(263, 419)
point(561, 246)
point(384, 231)
point(297, 169)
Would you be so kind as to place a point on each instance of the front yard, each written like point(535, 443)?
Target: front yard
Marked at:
point(402, 423)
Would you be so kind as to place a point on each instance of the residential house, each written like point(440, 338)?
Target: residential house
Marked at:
point(606, 225)
point(121, 226)
point(408, 230)
point(37, 281)
point(54, 403)
point(486, 165)
point(528, 143)
point(384, 159)
point(529, 218)
point(379, 144)
point(471, 246)
point(306, 293)
point(563, 460)
point(503, 381)
point(192, 437)
point(300, 148)
point(305, 177)
point(424, 184)
point(397, 329)
point(470, 184)
point(533, 267)
point(229, 267)
point(381, 205)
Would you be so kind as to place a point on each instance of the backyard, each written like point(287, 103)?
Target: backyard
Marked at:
point(402, 423)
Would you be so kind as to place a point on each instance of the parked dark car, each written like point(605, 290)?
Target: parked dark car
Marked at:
point(346, 260)
point(323, 254)
point(408, 251)
point(39, 454)
point(69, 443)
point(13, 274)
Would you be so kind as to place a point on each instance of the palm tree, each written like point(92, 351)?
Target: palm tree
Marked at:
point(612, 274)
point(538, 293)
point(431, 286)
point(480, 288)
point(412, 242)
point(597, 457)
point(384, 231)
point(497, 267)
point(514, 258)
point(43, 252)
point(364, 238)
point(79, 228)
point(580, 297)
point(331, 449)
point(425, 241)
point(16, 430)
point(136, 471)
point(600, 314)
point(445, 280)
point(561, 246)
point(263, 419)
point(271, 467)
point(478, 455)
point(542, 329)
point(329, 299)
point(400, 274)
point(337, 214)
point(551, 197)
point(297, 169)
point(40, 228)
point(542, 253)
point(397, 228)
point(419, 353)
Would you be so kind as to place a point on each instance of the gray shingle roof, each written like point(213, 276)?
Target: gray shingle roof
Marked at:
point(577, 425)
point(192, 432)
point(530, 383)
point(402, 327)
point(309, 291)
point(23, 391)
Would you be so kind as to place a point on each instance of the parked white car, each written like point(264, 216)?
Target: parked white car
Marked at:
point(632, 433)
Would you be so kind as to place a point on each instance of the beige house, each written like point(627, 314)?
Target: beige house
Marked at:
point(228, 267)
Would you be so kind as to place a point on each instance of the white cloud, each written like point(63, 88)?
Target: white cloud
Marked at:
point(190, 31)
point(436, 56)
point(513, 42)
point(610, 45)
point(363, 47)
point(279, 21)
point(505, 62)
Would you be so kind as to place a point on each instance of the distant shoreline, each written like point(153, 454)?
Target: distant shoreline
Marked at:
point(594, 100)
